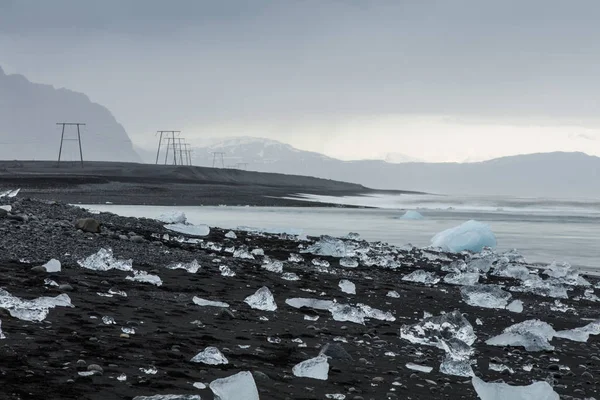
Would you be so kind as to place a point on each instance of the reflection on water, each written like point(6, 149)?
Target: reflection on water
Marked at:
point(541, 237)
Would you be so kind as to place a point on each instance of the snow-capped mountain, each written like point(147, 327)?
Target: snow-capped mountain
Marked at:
point(561, 175)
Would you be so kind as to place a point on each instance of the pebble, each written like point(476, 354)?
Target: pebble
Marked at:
point(65, 287)
point(95, 367)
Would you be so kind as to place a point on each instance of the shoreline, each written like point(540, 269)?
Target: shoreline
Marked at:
point(170, 328)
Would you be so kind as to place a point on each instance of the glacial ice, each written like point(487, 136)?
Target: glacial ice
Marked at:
point(581, 334)
point(262, 300)
point(515, 306)
point(2, 336)
point(317, 304)
point(273, 266)
point(243, 253)
point(348, 262)
point(420, 368)
point(547, 288)
point(191, 267)
point(208, 303)
point(240, 386)
point(32, 310)
point(330, 246)
point(317, 262)
point(462, 278)
point(509, 270)
point(52, 266)
point(501, 368)
point(345, 312)
point(103, 260)
point(393, 294)
point(456, 367)
point(316, 368)
point(502, 391)
point(188, 229)
point(533, 335)
point(290, 276)
point(173, 217)
point(226, 271)
point(145, 277)
point(431, 330)
point(486, 296)
point(295, 258)
point(565, 274)
point(347, 287)
point(231, 235)
point(412, 215)
point(471, 235)
point(210, 356)
point(374, 313)
point(107, 320)
point(421, 276)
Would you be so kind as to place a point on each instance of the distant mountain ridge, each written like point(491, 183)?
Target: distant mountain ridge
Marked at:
point(558, 174)
point(29, 113)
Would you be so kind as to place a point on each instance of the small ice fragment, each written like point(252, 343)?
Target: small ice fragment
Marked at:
point(188, 229)
point(533, 335)
point(500, 368)
point(244, 346)
point(502, 391)
point(317, 262)
point(347, 287)
point(412, 215)
point(231, 235)
point(144, 277)
point(191, 267)
point(348, 262)
point(345, 312)
point(317, 304)
point(243, 253)
point(211, 356)
point(240, 386)
point(462, 278)
point(316, 368)
point(258, 252)
point(374, 313)
point(431, 330)
point(311, 317)
point(262, 300)
point(527, 367)
point(103, 260)
point(108, 320)
point(274, 340)
point(226, 271)
point(87, 373)
point(478, 322)
point(450, 366)
point(208, 303)
point(420, 276)
point(393, 294)
point(104, 294)
point(515, 306)
point(581, 334)
point(274, 266)
point(295, 258)
point(174, 217)
point(52, 266)
point(329, 246)
point(335, 396)
point(50, 282)
point(471, 235)
point(486, 296)
point(290, 276)
point(199, 385)
point(1, 333)
point(353, 236)
point(128, 330)
point(420, 368)
point(32, 310)
point(122, 378)
point(13, 193)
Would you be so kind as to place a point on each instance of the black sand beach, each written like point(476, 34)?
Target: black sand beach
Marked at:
point(42, 360)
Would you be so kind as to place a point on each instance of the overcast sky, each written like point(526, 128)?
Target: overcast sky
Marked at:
point(439, 80)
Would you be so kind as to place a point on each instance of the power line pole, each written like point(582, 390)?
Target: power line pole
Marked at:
point(242, 165)
point(188, 152)
point(218, 154)
point(62, 139)
point(164, 136)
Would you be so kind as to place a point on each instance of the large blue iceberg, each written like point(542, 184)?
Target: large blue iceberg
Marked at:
point(472, 236)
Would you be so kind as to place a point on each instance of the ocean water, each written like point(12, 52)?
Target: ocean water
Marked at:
point(543, 230)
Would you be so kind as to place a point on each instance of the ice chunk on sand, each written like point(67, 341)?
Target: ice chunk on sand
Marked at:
point(347, 287)
point(52, 266)
point(262, 300)
point(13, 193)
point(564, 273)
point(295, 258)
point(32, 310)
point(226, 271)
point(581, 334)
point(393, 294)
point(191, 267)
point(412, 215)
point(420, 368)
point(433, 329)
point(509, 270)
point(169, 397)
point(462, 278)
point(240, 386)
point(316, 368)
point(515, 306)
point(547, 288)
point(345, 312)
point(533, 335)
point(502, 391)
point(173, 217)
point(209, 303)
point(273, 266)
point(103, 260)
point(317, 304)
point(420, 276)
point(290, 276)
point(211, 356)
point(188, 229)
point(231, 235)
point(1, 333)
point(348, 262)
point(329, 246)
point(471, 235)
point(143, 276)
point(243, 253)
point(375, 313)
point(486, 296)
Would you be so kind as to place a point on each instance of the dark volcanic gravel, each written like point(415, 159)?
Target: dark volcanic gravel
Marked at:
point(41, 360)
